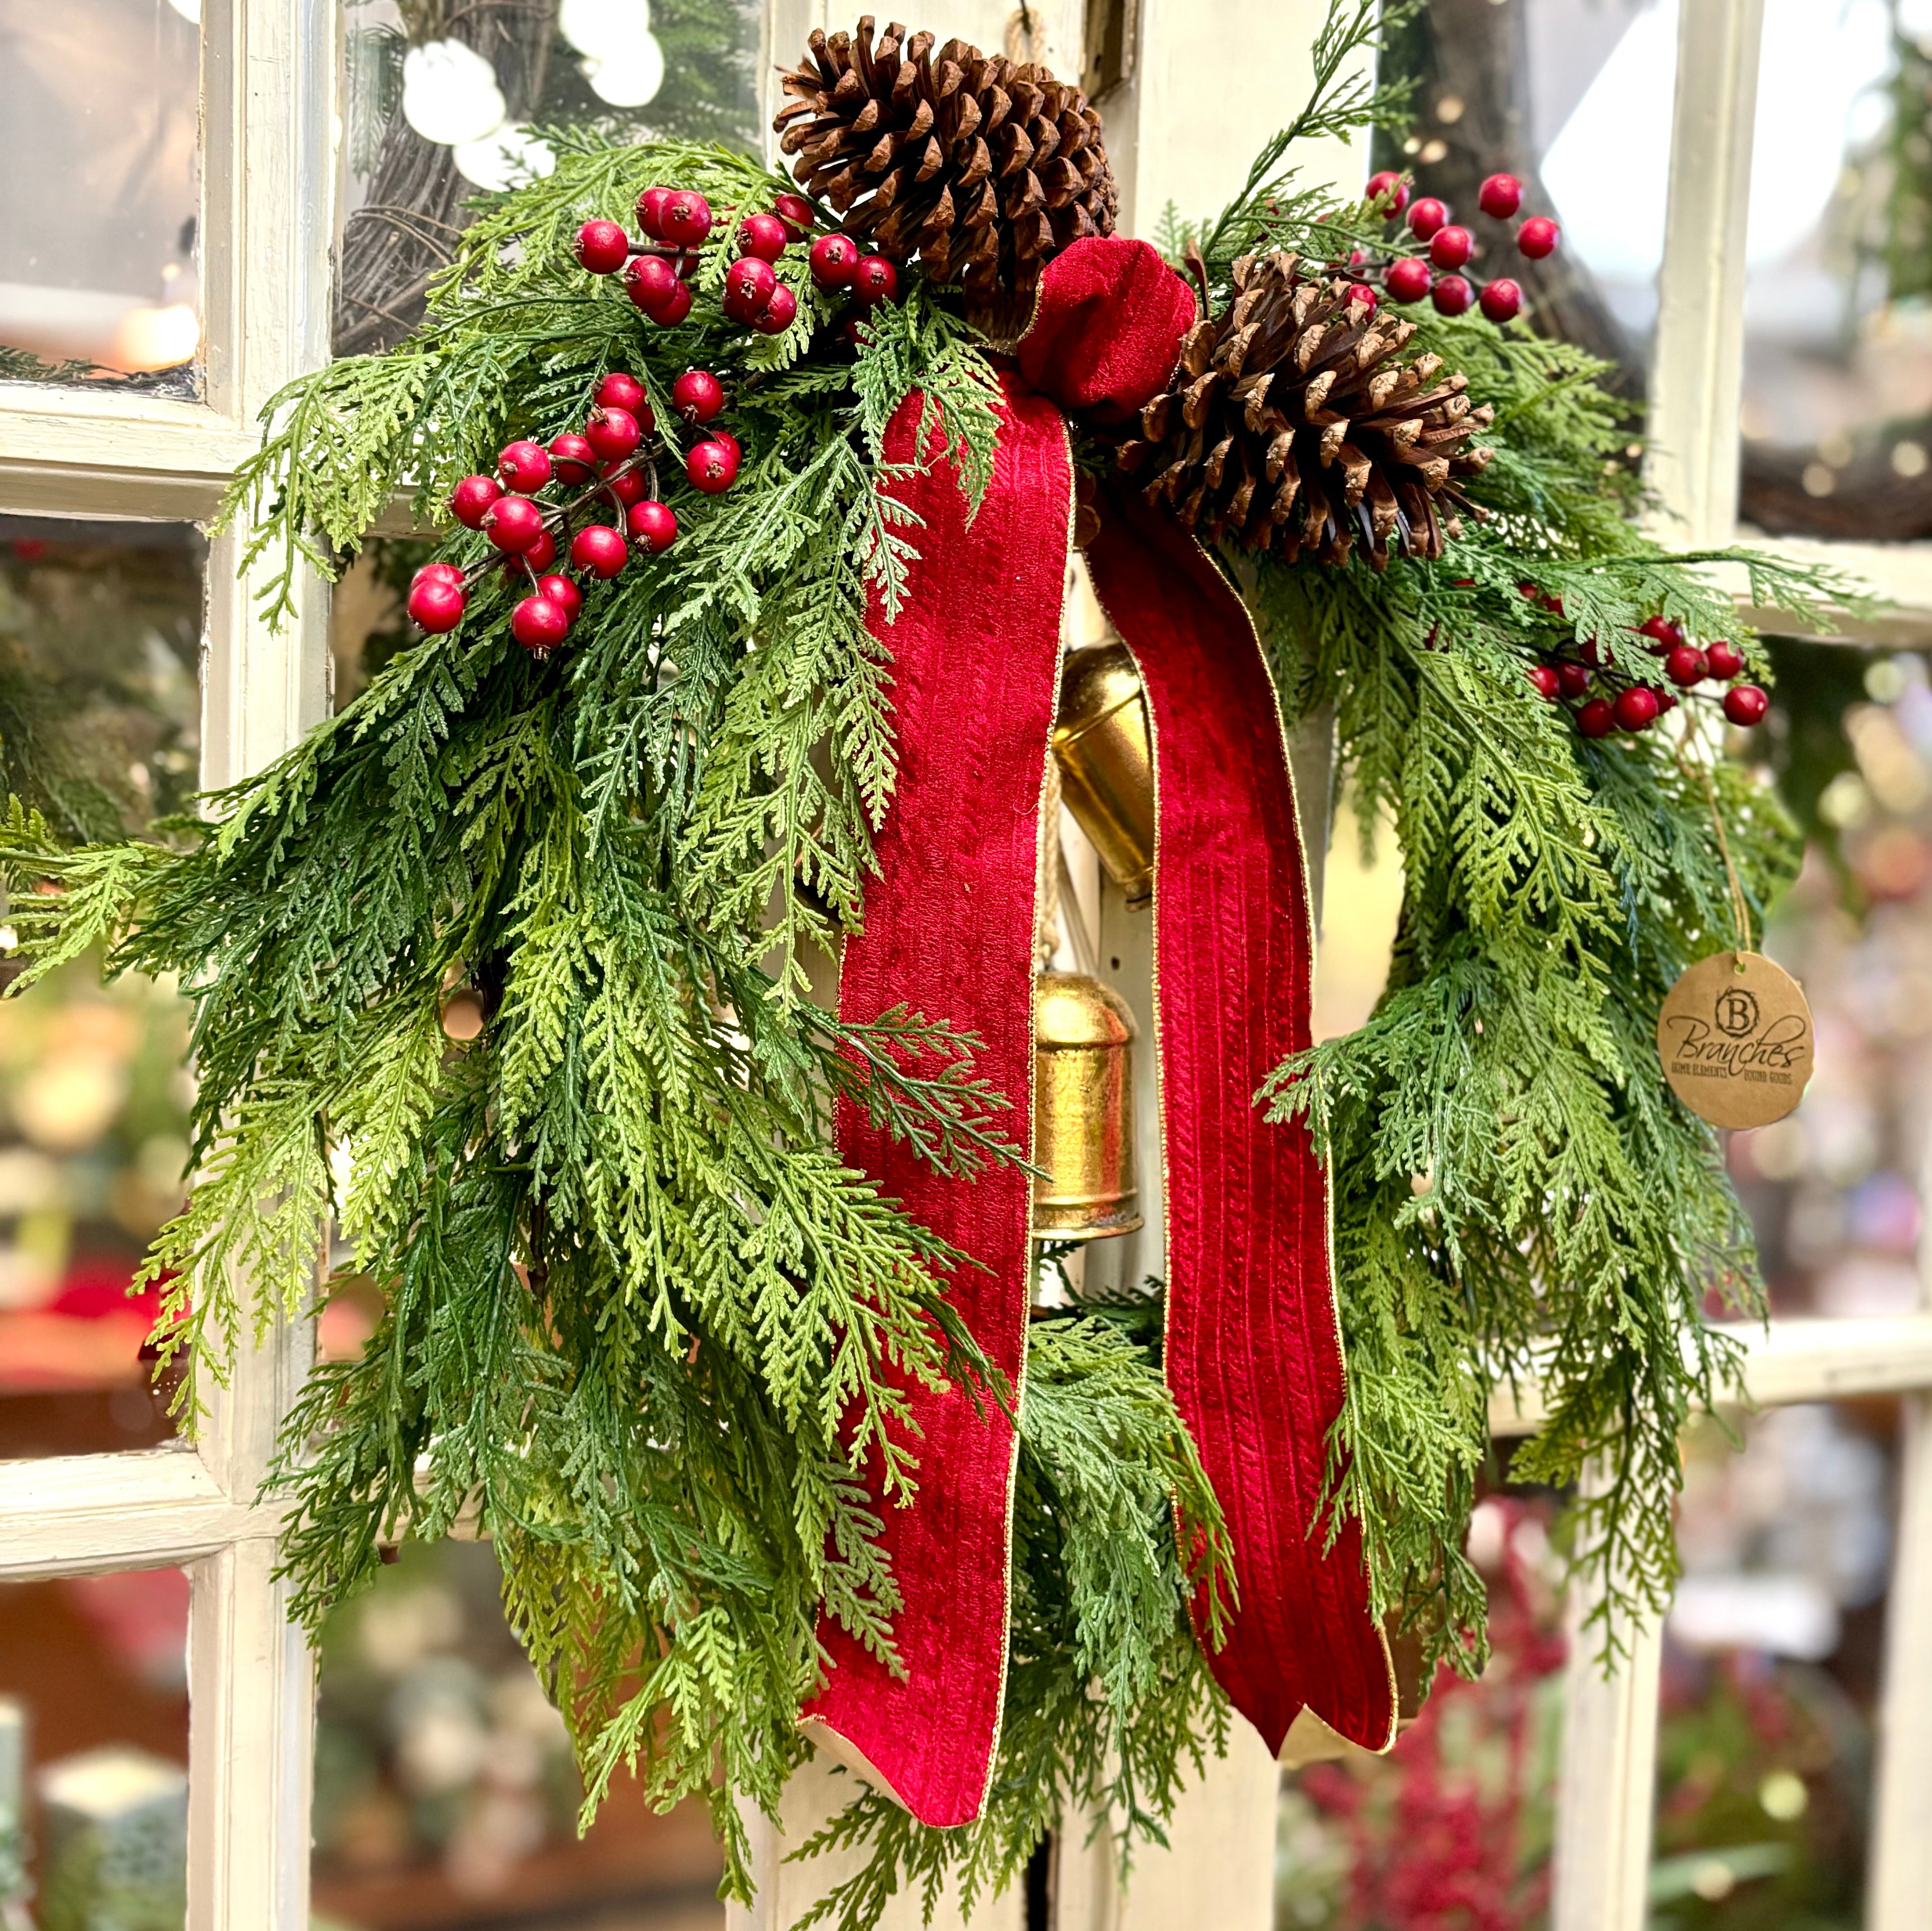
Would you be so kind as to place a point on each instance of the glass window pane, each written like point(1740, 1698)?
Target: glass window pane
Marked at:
point(1544, 91)
point(442, 103)
point(100, 639)
point(445, 1793)
point(94, 1720)
point(1838, 403)
point(100, 192)
point(1771, 1670)
point(1834, 1190)
point(1453, 1827)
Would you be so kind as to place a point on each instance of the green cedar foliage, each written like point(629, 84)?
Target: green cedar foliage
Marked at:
point(641, 1323)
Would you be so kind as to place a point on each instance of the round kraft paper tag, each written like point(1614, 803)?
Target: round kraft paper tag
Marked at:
point(1735, 1036)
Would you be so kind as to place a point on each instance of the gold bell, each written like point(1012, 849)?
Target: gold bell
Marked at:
point(1106, 763)
point(1083, 1121)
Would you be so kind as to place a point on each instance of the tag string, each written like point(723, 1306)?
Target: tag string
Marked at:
point(1740, 905)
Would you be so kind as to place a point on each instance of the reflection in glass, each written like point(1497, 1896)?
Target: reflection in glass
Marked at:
point(445, 1794)
point(1454, 1827)
point(1834, 1190)
point(1770, 1671)
point(101, 191)
point(94, 1720)
point(1838, 405)
point(100, 637)
point(1548, 92)
point(445, 101)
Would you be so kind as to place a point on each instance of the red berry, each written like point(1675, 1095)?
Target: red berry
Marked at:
point(1500, 196)
point(1547, 683)
point(1685, 665)
point(602, 247)
point(542, 552)
point(561, 589)
point(524, 466)
point(1596, 719)
point(472, 498)
point(1636, 708)
point(711, 467)
point(697, 396)
point(763, 235)
point(572, 458)
point(1538, 236)
point(1502, 301)
point(1452, 296)
point(1572, 680)
point(778, 313)
point(1408, 279)
point(1427, 216)
point(874, 280)
point(613, 433)
point(732, 447)
point(1663, 635)
point(834, 261)
point(1668, 701)
point(686, 220)
point(598, 549)
point(652, 283)
point(676, 308)
point(650, 212)
point(620, 391)
point(539, 624)
point(1724, 661)
point(437, 605)
point(795, 212)
point(1450, 248)
point(626, 485)
point(1361, 292)
point(653, 527)
point(437, 573)
point(1389, 188)
point(1745, 704)
point(513, 524)
point(748, 283)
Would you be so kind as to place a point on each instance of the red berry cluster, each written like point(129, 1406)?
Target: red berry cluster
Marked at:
point(657, 270)
point(1410, 278)
point(612, 467)
point(1606, 700)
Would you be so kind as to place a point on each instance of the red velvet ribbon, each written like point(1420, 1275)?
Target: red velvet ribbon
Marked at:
point(1253, 1355)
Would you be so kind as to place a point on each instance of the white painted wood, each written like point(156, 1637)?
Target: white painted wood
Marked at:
point(1179, 132)
point(64, 452)
point(1606, 1787)
point(1900, 1896)
point(817, 1793)
point(74, 1513)
point(1796, 1360)
point(1697, 374)
point(251, 1745)
point(1218, 1868)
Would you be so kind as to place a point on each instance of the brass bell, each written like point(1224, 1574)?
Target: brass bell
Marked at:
point(1100, 738)
point(1083, 1121)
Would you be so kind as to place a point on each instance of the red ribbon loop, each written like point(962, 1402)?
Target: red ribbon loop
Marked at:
point(1253, 1354)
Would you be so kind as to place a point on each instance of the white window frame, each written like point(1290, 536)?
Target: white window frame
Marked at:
point(268, 72)
point(270, 129)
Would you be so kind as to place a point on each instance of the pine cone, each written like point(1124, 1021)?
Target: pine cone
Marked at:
point(983, 168)
point(1290, 424)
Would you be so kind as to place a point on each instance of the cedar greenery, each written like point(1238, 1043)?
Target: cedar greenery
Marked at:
point(638, 1317)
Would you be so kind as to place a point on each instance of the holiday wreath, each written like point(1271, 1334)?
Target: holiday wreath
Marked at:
point(709, 1304)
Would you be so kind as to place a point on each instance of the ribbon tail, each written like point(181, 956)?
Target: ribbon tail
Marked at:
point(949, 933)
point(1254, 1354)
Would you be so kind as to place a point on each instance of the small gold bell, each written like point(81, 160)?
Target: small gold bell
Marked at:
point(1106, 763)
point(1083, 1121)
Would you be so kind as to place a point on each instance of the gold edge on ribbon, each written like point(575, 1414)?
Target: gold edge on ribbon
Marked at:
point(1307, 898)
point(1033, 1083)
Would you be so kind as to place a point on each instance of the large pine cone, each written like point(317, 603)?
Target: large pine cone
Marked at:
point(983, 168)
point(1291, 424)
